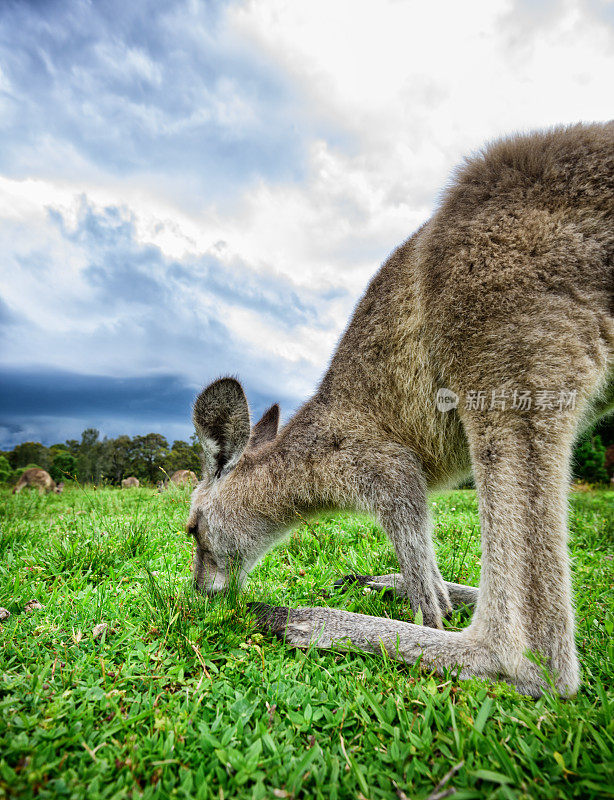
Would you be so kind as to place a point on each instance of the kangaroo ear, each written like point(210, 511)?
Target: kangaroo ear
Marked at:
point(221, 419)
point(266, 429)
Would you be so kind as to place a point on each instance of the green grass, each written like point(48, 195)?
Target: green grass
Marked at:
point(181, 697)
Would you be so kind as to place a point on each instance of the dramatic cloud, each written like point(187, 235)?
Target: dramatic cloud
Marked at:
point(56, 405)
point(190, 189)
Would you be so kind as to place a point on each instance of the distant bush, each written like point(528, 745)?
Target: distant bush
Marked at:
point(21, 470)
point(63, 467)
point(28, 453)
point(107, 461)
point(5, 470)
point(589, 461)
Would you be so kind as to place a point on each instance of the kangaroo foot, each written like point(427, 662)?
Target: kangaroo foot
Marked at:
point(391, 583)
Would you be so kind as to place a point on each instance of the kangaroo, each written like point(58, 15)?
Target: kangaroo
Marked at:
point(182, 477)
point(484, 344)
point(130, 483)
point(39, 479)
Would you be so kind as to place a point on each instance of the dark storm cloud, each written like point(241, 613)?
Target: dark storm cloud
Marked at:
point(51, 405)
point(59, 393)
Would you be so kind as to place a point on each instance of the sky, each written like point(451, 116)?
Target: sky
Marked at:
point(197, 189)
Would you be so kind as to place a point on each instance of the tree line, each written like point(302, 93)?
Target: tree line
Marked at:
point(150, 458)
point(94, 460)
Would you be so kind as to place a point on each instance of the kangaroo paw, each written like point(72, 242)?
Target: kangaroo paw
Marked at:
point(295, 626)
point(350, 578)
point(459, 595)
point(373, 582)
point(432, 599)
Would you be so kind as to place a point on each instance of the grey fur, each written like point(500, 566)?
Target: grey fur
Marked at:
point(221, 419)
point(265, 430)
point(508, 287)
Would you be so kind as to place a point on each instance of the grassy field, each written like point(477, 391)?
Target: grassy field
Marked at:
point(181, 697)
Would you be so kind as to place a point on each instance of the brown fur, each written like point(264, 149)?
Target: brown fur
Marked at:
point(508, 287)
point(38, 479)
point(182, 477)
point(130, 483)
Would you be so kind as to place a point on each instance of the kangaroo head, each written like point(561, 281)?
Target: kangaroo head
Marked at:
point(59, 488)
point(230, 535)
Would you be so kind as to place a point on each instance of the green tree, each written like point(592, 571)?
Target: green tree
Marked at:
point(605, 430)
point(63, 467)
point(119, 458)
point(5, 469)
point(29, 453)
point(91, 457)
point(150, 452)
point(182, 456)
point(72, 445)
point(197, 449)
point(589, 460)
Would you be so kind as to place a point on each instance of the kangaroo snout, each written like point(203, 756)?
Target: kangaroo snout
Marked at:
point(209, 584)
point(213, 575)
point(206, 575)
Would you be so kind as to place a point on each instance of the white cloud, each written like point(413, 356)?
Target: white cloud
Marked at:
point(127, 63)
point(422, 72)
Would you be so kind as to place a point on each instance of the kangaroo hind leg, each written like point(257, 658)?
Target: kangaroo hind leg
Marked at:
point(391, 583)
point(521, 465)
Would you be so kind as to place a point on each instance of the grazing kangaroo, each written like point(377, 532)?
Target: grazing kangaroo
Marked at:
point(182, 477)
point(38, 479)
point(130, 483)
point(484, 343)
